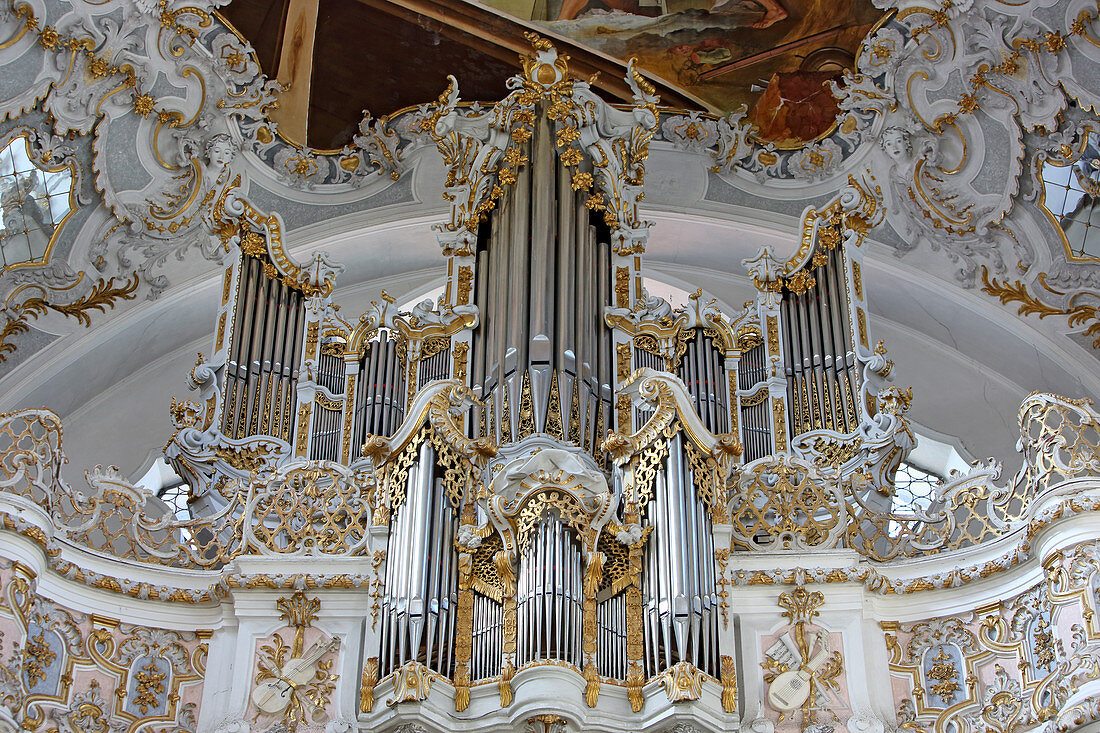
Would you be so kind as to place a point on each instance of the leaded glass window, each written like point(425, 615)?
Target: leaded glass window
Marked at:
point(34, 202)
point(913, 489)
point(1072, 195)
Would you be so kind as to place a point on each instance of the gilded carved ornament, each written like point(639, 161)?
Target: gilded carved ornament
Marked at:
point(635, 681)
point(639, 453)
point(367, 685)
point(790, 502)
point(546, 723)
point(929, 154)
point(103, 296)
point(483, 150)
point(563, 480)
point(295, 682)
point(682, 681)
point(412, 683)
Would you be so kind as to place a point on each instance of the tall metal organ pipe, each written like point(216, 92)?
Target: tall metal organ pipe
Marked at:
point(379, 392)
point(544, 265)
point(819, 355)
point(679, 594)
point(264, 352)
point(418, 611)
point(549, 596)
point(328, 419)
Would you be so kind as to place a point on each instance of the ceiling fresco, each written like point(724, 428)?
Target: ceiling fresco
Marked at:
point(773, 56)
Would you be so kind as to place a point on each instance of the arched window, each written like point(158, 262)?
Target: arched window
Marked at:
point(1071, 193)
point(34, 202)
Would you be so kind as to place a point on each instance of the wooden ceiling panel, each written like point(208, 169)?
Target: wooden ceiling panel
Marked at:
point(386, 55)
point(261, 22)
point(381, 57)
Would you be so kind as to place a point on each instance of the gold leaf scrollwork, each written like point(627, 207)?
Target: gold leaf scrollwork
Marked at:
point(729, 684)
point(1077, 314)
point(683, 681)
point(412, 683)
point(507, 672)
point(635, 681)
point(103, 297)
point(592, 684)
point(366, 690)
point(800, 605)
point(462, 686)
point(945, 674)
point(300, 612)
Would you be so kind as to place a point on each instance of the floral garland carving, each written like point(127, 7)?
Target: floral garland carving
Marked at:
point(1078, 314)
point(103, 297)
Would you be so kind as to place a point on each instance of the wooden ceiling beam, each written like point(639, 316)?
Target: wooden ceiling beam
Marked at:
point(501, 36)
point(296, 70)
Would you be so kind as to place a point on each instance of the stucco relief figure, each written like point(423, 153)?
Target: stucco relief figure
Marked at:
point(426, 313)
point(205, 164)
point(897, 143)
point(220, 152)
point(27, 226)
point(917, 180)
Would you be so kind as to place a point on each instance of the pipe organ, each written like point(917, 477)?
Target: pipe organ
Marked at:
point(551, 453)
point(819, 354)
point(262, 370)
point(380, 397)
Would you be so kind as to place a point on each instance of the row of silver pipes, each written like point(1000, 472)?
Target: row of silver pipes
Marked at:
point(821, 369)
point(678, 581)
point(756, 424)
point(702, 370)
point(592, 400)
point(378, 400)
point(379, 392)
point(680, 609)
point(418, 609)
point(543, 279)
point(264, 351)
point(327, 423)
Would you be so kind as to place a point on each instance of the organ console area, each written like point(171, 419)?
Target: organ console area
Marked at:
point(549, 453)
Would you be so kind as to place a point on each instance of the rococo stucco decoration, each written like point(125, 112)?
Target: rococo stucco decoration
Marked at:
point(546, 499)
point(952, 109)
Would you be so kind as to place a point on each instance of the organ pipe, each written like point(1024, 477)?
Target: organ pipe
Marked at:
point(549, 597)
point(380, 391)
point(546, 262)
point(819, 358)
point(417, 617)
point(263, 355)
point(679, 593)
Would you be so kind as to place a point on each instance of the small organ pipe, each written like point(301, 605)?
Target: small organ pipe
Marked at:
point(251, 266)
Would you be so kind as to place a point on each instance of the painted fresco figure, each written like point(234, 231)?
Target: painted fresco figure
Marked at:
point(773, 11)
